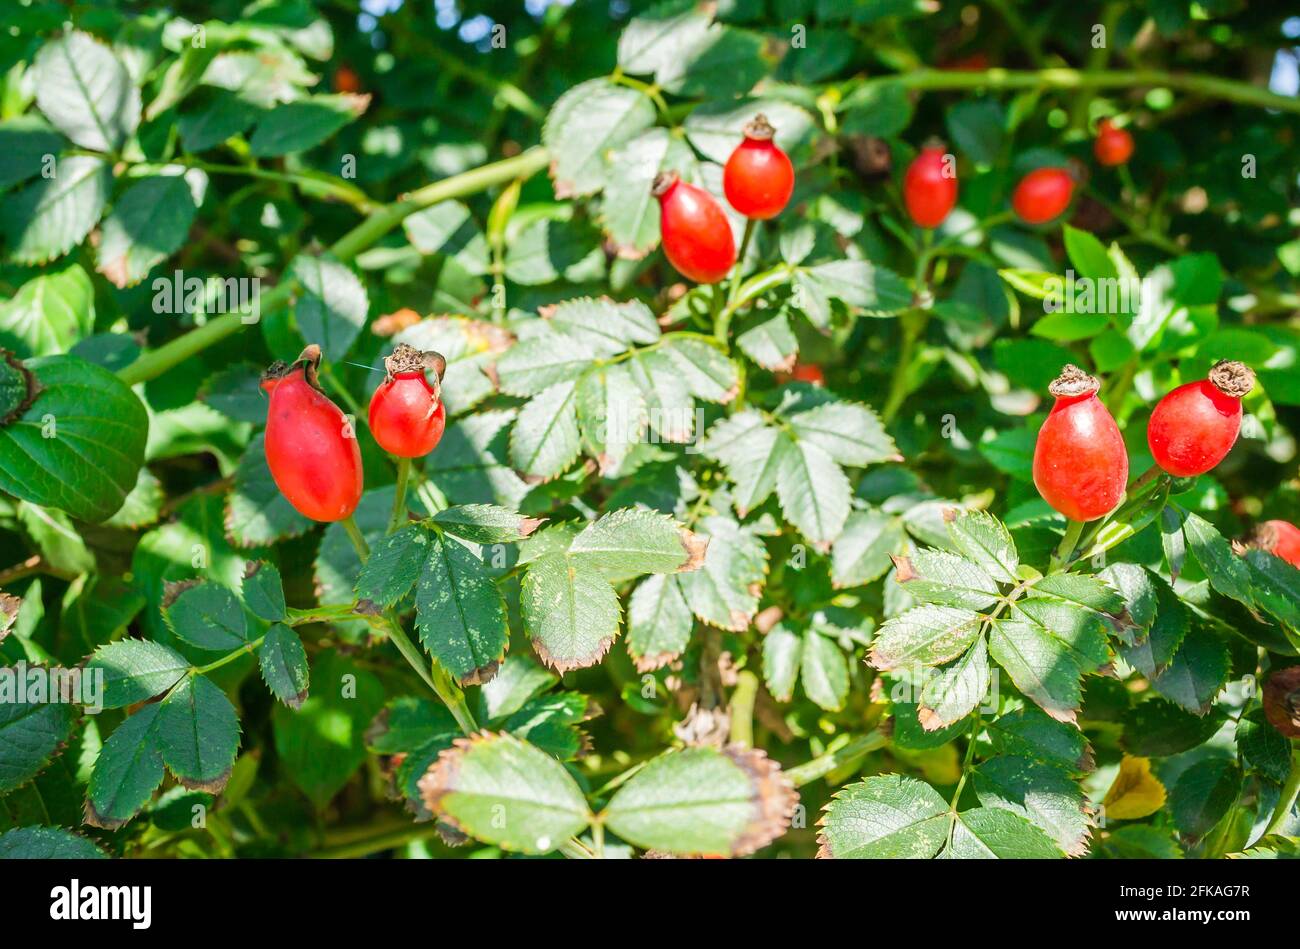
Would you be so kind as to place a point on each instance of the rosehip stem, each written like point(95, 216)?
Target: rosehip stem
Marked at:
point(399, 497)
point(1070, 540)
point(819, 767)
point(358, 539)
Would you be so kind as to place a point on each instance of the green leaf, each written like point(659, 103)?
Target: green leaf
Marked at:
point(658, 622)
point(670, 409)
point(504, 791)
point(1041, 666)
point(630, 542)
point(545, 440)
point(536, 363)
point(1082, 633)
point(583, 125)
point(629, 212)
point(936, 576)
point(149, 223)
point(32, 733)
point(264, 591)
point(724, 591)
point(86, 92)
point(1078, 590)
point(1203, 794)
point(461, 615)
point(332, 308)
point(825, 671)
point(1196, 673)
point(206, 615)
point(1263, 748)
point(861, 554)
point(771, 344)
point(782, 656)
point(976, 128)
point(298, 126)
point(283, 662)
point(654, 38)
point(1275, 586)
point(127, 772)
point(450, 228)
point(1157, 728)
point(708, 373)
point(954, 691)
point(876, 291)
point(257, 513)
point(223, 115)
point(720, 62)
point(813, 491)
point(25, 143)
point(603, 326)
point(570, 611)
point(988, 832)
point(198, 734)
point(136, 669)
point(321, 745)
point(548, 250)
point(926, 635)
point(886, 816)
point(1041, 793)
point(850, 433)
point(751, 451)
point(486, 523)
point(50, 313)
point(704, 801)
point(1028, 732)
point(80, 444)
point(982, 538)
point(1227, 572)
point(47, 843)
point(53, 215)
point(395, 563)
point(612, 415)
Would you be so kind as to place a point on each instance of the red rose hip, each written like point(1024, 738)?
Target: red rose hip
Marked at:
point(929, 190)
point(696, 234)
point(311, 448)
point(1194, 427)
point(1113, 146)
point(1080, 465)
point(1042, 195)
point(407, 416)
point(758, 178)
point(1281, 539)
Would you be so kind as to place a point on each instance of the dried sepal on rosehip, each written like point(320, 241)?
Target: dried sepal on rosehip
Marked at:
point(1080, 464)
point(311, 448)
point(407, 416)
point(1194, 426)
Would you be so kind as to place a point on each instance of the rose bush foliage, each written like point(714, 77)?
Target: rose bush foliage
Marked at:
point(695, 570)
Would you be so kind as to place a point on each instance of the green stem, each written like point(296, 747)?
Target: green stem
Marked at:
point(336, 611)
point(751, 225)
point(358, 539)
point(1076, 79)
point(229, 657)
point(378, 223)
point(1069, 541)
point(913, 324)
point(823, 765)
point(1290, 791)
point(966, 762)
point(399, 498)
point(742, 709)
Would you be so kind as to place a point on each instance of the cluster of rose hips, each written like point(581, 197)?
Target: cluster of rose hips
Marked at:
point(930, 184)
point(758, 180)
point(311, 447)
point(1081, 466)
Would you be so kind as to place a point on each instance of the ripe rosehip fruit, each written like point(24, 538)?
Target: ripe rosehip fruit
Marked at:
point(929, 191)
point(1042, 195)
point(1194, 427)
point(758, 178)
point(406, 412)
point(310, 446)
point(696, 234)
point(1080, 466)
point(1282, 701)
point(1281, 539)
point(803, 372)
point(1113, 146)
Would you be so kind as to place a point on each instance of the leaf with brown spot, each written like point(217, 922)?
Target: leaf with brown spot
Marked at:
point(704, 801)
